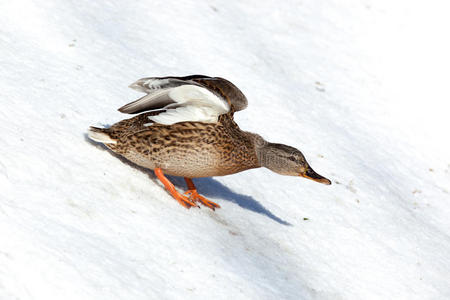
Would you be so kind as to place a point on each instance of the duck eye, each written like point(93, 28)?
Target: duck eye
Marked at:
point(292, 158)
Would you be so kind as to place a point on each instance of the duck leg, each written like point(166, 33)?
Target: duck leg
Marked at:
point(194, 195)
point(183, 200)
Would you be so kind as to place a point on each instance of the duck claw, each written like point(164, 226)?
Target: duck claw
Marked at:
point(196, 197)
point(185, 201)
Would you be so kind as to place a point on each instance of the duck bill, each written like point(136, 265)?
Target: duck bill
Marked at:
point(311, 174)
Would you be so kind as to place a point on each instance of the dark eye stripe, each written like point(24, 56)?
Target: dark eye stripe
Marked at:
point(292, 158)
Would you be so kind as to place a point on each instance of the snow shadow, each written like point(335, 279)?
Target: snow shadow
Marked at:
point(208, 187)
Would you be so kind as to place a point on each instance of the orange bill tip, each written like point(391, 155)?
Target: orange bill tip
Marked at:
point(311, 174)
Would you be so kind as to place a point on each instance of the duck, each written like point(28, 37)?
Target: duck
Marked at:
point(185, 127)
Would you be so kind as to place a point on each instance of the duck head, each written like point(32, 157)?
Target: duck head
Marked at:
point(287, 160)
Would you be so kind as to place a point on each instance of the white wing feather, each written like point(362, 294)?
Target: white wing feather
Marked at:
point(190, 113)
point(192, 104)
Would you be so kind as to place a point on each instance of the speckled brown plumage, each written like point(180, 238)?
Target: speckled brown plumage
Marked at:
point(188, 149)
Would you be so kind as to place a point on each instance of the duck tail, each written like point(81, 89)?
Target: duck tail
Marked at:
point(100, 135)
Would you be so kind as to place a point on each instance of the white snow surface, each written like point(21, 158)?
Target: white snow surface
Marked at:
point(359, 86)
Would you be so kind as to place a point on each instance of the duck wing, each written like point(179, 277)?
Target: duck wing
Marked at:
point(227, 90)
point(195, 98)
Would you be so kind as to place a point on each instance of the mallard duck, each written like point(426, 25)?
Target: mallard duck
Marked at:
point(186, 128)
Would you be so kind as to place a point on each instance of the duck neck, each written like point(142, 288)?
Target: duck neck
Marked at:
point(260, 146)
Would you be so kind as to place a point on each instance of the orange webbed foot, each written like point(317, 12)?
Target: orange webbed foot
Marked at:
point(189, 198)
point(183, 200)
point(196, 197)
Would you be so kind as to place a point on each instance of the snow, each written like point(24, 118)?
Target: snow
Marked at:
point(360, 87)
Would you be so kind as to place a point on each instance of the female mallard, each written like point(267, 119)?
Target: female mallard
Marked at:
point(187, 129)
